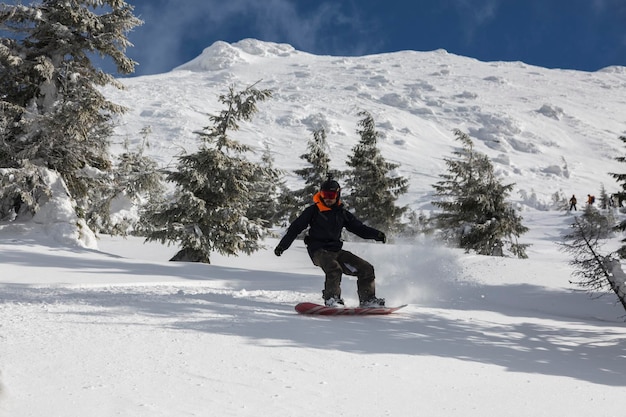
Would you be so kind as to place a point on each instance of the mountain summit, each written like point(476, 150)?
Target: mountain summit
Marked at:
point(531, 121)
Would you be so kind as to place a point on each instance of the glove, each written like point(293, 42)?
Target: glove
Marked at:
point(381, 237)
point(278, 251)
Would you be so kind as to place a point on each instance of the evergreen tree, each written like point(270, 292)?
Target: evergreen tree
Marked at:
point(560, 201)
point(267, 192)
point(416, 223)
point(603, 198)
point(373, 191)
point(621, 195)
point(53, 113)
point(595, 271)
point(214, 190)
point(138, 175)
point(135, 181)
point(22, 192)
point(475, 214)
point(621, 177)
point(314, 174)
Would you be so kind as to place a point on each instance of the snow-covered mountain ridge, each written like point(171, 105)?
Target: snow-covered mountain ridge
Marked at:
point(529, 120)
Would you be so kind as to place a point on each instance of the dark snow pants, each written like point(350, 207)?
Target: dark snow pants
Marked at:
point(335, 263)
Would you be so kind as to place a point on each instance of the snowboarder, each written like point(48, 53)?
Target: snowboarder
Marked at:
point(326, 219)
point(572, 203)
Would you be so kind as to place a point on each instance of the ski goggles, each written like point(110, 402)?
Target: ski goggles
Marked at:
point(329, 195)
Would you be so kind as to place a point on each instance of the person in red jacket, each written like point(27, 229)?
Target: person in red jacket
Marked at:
point(326, 220)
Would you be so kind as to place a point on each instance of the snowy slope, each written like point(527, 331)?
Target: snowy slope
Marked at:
point(121, 331)
point(538, 125)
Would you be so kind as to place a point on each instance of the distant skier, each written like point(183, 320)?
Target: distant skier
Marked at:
point(591, 199)
point(572, 203)
point(326, 219)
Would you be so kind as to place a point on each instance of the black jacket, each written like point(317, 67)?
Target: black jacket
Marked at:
point(325, 226)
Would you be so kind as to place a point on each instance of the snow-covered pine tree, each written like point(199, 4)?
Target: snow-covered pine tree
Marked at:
point(22, 192)
point(313, 174)
point(475, 214)
point(560, 201)
point(136, 181)
point(136, 174)
point(373, 191)
point(54, 114)
point(620, 178)
point(603, 198)
point(595, 271)
point(214, 189)
point(266, 195)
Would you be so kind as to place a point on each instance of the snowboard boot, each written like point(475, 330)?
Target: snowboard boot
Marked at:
point(373, 302)
point(335, 302)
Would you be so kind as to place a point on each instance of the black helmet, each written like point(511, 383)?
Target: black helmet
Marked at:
point(330, 189)
point(330, 185)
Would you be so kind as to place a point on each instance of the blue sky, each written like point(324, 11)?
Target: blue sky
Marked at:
point(572, 34)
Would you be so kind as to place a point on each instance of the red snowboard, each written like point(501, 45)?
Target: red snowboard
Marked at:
point(321, 310)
